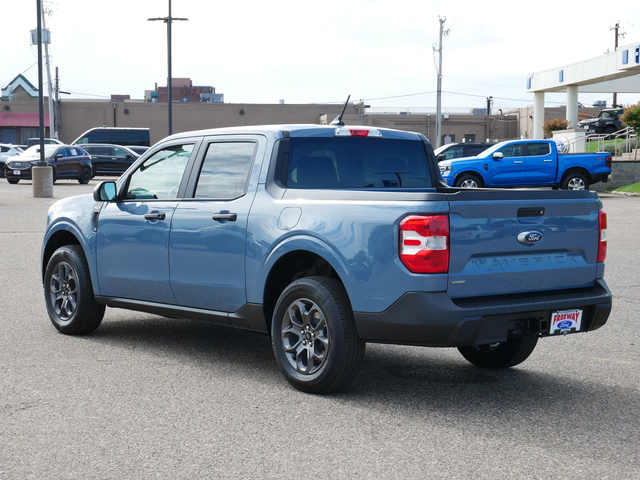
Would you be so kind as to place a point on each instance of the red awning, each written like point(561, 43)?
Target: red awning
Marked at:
point(22, 119)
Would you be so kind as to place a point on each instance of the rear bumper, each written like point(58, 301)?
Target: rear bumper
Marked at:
point(434, 319)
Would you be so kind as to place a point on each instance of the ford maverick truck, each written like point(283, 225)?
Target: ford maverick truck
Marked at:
point(527, 163)
point(326, 238)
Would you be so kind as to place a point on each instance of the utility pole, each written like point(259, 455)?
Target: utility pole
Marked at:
point(169, 20)
point(439, 92)
point(616, 27)
point(488, 131)
point(53, 132)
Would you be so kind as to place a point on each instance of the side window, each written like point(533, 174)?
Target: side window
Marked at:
point(539, 149)
point(62, 151)
point(514, 150)
point(75, 152)
point(225, 170)
point(118, 152)
point(160, 175)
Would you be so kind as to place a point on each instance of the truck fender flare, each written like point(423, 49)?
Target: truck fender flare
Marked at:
point(68, 229)
point(307, 243)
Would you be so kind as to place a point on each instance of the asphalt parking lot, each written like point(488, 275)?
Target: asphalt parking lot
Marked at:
point(147, 397)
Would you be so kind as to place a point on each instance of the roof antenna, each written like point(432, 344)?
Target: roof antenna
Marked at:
point(338, 120)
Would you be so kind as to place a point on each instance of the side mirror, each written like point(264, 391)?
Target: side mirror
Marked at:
point(105, 192)
point(498, 156)
point(441, 157)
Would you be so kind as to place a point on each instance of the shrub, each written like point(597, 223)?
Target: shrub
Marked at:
point(554, 124)
point(631, 117)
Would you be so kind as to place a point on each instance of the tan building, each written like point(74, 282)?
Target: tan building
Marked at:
point(19, 117)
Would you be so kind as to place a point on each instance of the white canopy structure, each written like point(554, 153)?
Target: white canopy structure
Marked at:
point(617, 71)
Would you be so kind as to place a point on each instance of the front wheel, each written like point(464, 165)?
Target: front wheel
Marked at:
point(575, 181)
point(13, 181)
point(68, 292)
point(500, 355)
point(466, 180)
point(314, 337)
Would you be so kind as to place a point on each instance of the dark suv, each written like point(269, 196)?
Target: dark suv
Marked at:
point(67, 161)
point(459, 150)
point(110, 159)
point(607, 121)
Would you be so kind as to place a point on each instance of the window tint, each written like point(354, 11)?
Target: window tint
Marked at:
point(354, 163)
point(160, 175)
point(454, 152)
point(225, 170)
point(75, 152)
point(514, 150)
point(539, 148)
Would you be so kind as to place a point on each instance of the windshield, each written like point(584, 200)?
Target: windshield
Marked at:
point(34, 151)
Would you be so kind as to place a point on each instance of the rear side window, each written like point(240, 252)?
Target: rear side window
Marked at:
point(538, 149)
point(225, 170)
point(355, 163)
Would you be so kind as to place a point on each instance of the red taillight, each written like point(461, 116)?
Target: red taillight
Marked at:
point(424, 243)
point(602, 236)
point(608, 161)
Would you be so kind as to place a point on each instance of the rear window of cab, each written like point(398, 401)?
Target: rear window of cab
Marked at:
point(354, 163)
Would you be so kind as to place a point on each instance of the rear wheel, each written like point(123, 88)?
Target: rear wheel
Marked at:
point(68, 292)
point(467, 180)
point(575, 181)
point(85, 176)
point(314, 337)
point(500, 355)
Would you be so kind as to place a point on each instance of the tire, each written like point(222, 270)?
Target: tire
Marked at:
point(85, 176)
point(314, 337)
point(13, 181)
point(500, 355)
point(575, 181)
point(467, 180)
point(68, 293)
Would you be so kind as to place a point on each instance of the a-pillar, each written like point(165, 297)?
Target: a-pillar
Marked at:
point(538, 114)
point(572, 106)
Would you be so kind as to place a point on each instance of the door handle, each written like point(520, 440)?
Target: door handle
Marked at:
point(518, 161)
point(232, 217)
point(155, 216)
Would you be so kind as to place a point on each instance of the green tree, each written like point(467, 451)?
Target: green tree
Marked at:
point(554, 124)
point(631, 117)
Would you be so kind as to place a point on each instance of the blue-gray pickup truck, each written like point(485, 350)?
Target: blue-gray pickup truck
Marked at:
point(527, 163)
point(326, 238)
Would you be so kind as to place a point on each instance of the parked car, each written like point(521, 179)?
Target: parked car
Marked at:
point(607, 121)
point(139, 149)
point(47, 141)
point(6, 151)
point(326, 237)
point(459, 150)
point(527, 163)
point(110, 159)
point(68, 162)
point(116, 136)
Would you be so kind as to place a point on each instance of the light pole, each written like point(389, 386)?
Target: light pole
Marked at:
point(168, 20)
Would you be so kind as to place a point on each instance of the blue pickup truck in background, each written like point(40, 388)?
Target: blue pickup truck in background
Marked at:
point(527, 163)
point(326, 237)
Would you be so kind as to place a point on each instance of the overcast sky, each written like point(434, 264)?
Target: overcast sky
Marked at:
point(300, 51)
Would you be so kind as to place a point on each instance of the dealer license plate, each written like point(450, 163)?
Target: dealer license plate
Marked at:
point(566, 321)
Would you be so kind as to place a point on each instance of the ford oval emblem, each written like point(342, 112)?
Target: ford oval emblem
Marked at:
point(530, 238)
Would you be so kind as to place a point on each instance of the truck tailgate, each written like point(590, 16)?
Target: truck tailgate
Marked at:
point(516, 241)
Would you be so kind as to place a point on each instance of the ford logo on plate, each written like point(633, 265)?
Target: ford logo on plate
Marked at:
point(530, 238)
